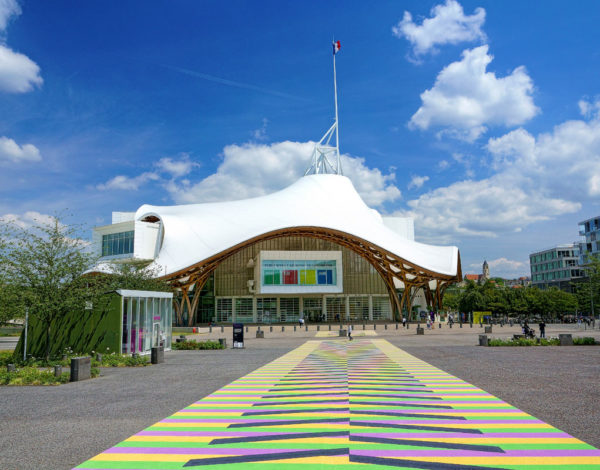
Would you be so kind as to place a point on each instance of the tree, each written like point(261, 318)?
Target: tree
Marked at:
point(42, 267)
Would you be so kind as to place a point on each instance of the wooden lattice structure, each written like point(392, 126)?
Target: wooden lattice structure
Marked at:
point(396, 272)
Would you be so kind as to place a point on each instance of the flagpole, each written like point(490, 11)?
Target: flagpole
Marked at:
point(337, 129)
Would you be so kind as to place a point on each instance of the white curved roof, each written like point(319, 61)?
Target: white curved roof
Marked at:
point(196, 232)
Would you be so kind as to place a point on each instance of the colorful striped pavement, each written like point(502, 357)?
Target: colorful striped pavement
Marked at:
point(335, 404)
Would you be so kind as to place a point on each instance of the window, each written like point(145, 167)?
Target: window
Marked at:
point(224, 309)
point(117, 243)
point(243, 309)
point(289, 308)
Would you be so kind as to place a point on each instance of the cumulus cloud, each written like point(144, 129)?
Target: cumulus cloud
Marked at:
point(18, 73)
point(589, 109)
point(125, 183)
point(417, 181)
point(176, 167)
point(483, 208)
point(536, 178)
point(261, 132)
point(8, 8)
point(254, 169)
point(466, 98)
point(554, 160)
point(448, 25)
point(28, 219)
point(13, 152)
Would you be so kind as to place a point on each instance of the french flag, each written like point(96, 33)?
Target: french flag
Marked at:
point(336, 47)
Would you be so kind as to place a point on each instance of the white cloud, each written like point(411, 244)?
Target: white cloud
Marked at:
point(18, 73)
point(443, 164)
point(8, 8)
point(176, 168)
point(589, 109)
point(261, 132)
point(465, 98)
point(536, 178)
point(254, 169)
point(448, 25)
point(563, 163)
point(483, 208)
point(28, 219)
point(417, 181)
point(126, 183)
point(13, 152)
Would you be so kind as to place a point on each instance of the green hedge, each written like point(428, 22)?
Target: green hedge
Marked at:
point(196, 345)
point(587, 341)
point(34, 376)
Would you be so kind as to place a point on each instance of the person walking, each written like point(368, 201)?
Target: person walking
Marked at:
point(350, 332)
point(542, 329)
point(403, 321)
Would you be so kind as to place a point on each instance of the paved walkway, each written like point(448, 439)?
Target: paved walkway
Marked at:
point(332, 403)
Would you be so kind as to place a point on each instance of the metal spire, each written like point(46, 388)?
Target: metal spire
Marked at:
point(325, 156)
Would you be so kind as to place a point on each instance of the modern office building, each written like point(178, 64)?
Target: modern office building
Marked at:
point(555, 267)
point(589, 230)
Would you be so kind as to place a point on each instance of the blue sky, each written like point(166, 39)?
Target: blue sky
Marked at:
point(479, 119)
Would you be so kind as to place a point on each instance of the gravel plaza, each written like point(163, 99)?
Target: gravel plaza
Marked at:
point(62, 427)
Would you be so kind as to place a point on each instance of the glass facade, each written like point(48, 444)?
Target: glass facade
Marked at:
point(302, 280)
point(146, 321)
point(555, 267)
point(117, 243)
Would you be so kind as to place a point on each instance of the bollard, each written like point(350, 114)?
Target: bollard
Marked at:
point(396, 325)
point(222, 329)
point(364, 326)
point(318, 327)
point(440, 327)
point(157, 355)
point(420, 331)
point(260, 334)
point(407, 324)
point(450, 325)
point(210, 329)
point(483, 340)
point(80, 368)
point(460, 324)
point(374, 326)
point(565, 339)
point(246, 329)
point(306, 328)
point(330, 327)
point(294, 327)
point(385, 326)
point(10, 367)
point(270, 329)
point(57, 371)
point(282, 328)
point(99, 357)
point(471, 324)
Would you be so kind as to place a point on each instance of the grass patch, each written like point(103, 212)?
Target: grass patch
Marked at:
point(108, 360)
point(196, 345)
point(33, 376)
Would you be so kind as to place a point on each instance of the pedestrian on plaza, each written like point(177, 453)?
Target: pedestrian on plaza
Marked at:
point(542, 329)
point(350, 332)
point(403, 321)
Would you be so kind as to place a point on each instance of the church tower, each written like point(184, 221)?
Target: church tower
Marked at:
point(486, 272)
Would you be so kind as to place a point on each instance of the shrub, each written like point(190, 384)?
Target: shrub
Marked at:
point(6, 357)
point(196, 345)
point(119, 360)
point(586, 341)
point(32, 376)
point(524, 342)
